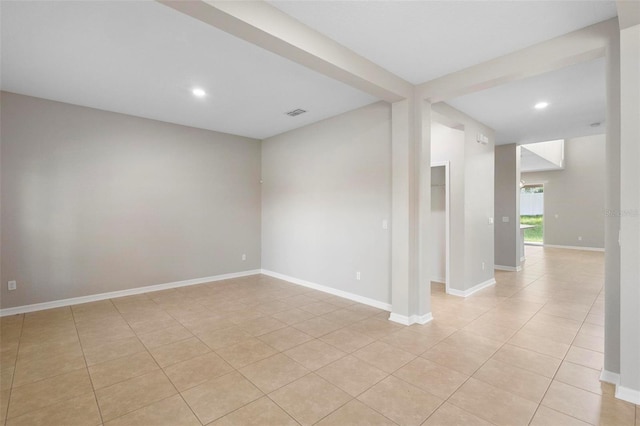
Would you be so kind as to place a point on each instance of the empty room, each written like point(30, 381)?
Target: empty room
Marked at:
point(320, 212)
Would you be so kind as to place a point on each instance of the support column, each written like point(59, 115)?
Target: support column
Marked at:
point(629, 387)
point(611, 368)
point(410, 212)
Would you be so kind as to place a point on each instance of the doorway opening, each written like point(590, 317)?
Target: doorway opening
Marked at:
point(532, 214)
point(440, 224)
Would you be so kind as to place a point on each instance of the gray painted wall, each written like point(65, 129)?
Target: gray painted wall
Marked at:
point(478, 202)
point(94, 201)
point(576, 195)
point(326, 191)
point(507, 202)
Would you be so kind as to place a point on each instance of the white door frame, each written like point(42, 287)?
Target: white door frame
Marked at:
point(447, 225)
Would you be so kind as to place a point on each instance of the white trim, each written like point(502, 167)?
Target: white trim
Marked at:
point(330, 290)
point(628, 394)
point(574, 247)
point(439, 280)
point(474, 289)
point(121, 293)
point(412, 319)
point(609, 377)
point(508, 268)
point(523, 258)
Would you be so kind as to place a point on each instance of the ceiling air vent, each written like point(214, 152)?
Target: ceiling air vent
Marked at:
point(296, 112)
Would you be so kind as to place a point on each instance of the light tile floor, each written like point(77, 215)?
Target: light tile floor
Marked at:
point(260, 351)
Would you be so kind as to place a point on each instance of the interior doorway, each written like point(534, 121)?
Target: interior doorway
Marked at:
point(440, 256)
point(532, 213)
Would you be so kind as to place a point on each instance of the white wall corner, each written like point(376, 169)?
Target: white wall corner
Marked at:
point(627, 394)
point(476, 288)
point(609, 377)
point(340, 293)
point(574, 247)
point(121, 293)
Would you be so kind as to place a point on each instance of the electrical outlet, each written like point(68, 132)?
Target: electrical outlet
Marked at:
point(244, 257)
point(11, 285)
point(358, 275)
point(579, 238)
point(483, 266)
point(385, 224)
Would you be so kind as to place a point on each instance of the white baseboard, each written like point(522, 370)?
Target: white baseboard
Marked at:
point(411, 319)
point(627, 394)
point(508, 268)
point(574, 247)
point(474, 289)
point(121, 293)
point(330, 290)
point(609, 377)
point(439, 280)
point(523, 258)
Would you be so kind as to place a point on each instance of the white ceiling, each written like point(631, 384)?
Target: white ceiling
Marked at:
point(576, 97)
point(143, 58)
point(422, 40)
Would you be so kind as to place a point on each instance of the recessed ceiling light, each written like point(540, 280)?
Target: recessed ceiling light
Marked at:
point(199, 93)
point(541, 105)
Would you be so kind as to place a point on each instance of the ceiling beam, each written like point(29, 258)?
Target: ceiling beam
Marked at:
point(582, 45)
point(628, 13)
point(261, 24)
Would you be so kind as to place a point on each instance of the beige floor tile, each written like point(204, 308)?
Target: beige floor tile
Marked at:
point(197, 370)
point(548, 417)
point(262, 412)
point(574, 402)
point(179, 351)
point(147, 325)
point(121, 369)
point(450, 415)
point(347, 340)
point(355, 413)
point(352, 375)
point(585, 357)
point(222, 395)
point(401, 402)
point(247, 352)
point(431, 377)
point(314, 354)
point(165, 336)
point(383, 356)
point(579, 376)
point(589, 342)
point(274, 372)
point(319, 308)
point(344, 316)
point(4, 404)
point(285, 338)
point(615, 412)
point(317, 326)
point(309, 398)
point(167, 412)
point(409, 341)
point(513, 379)
point(493, 404)
point(81, 410)
point(124, 397)
point(260, 326)
point(293, 316)
point(526, 359)
point(48, 392)
point(466, 362)
point(539, 344)
point(112, 350)
point(218, 339)
point(376, 328)
point(6, 377)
